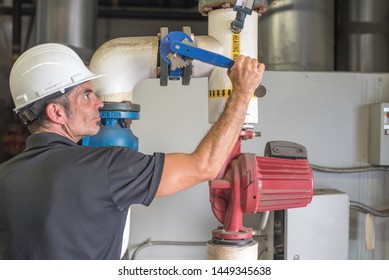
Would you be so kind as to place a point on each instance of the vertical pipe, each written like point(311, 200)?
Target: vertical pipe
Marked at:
point(362, 35)
point(70, 22)
point(245, 43)
point(297, 35)
point(16, 29)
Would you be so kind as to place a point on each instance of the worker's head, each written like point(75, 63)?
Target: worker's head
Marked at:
point(47, 74)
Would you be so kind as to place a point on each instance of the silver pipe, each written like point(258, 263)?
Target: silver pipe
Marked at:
point(349, 169)
point(149, 243)
point(262, 253)
point(264, 219)
point(357, 206)
point(70, 22)
point(297, 35)
point(362, 43)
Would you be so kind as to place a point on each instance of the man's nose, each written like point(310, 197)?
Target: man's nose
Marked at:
point(99, 102)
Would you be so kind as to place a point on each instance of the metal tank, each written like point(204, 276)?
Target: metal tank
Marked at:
point(297, 35)
point(71, 22)
point(362, 35)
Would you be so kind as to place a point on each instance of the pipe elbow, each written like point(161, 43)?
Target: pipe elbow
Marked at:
point(125, 61)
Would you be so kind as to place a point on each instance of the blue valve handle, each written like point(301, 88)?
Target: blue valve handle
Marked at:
point(209, 57)
point(201, 54)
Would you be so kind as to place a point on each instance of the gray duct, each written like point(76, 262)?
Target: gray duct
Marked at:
point(71, 22)
point(297, 35)
point(362, 35)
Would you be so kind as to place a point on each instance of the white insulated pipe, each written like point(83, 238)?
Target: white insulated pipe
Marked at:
point(126, 61)
point(245, 43)
point(229, 252)
point(129, 60)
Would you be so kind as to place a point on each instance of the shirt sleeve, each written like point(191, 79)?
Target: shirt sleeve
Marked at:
point(133, 177)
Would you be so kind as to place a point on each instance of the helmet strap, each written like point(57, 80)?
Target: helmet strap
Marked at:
point(31, 112)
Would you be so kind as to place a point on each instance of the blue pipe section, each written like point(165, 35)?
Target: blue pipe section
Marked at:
point(113, 131)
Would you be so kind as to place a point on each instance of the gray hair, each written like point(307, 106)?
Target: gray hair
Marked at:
point(34, 115)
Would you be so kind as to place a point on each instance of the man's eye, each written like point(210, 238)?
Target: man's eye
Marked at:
point(87, 94)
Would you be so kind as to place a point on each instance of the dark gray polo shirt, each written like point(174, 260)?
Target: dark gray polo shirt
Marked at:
point(59, 200)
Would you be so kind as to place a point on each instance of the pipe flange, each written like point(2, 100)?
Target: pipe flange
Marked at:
point(121, 106)
point(222, 234)
point(235, 243)
point(205, 6)
point(163, 65)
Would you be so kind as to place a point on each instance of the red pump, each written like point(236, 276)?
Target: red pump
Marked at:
point(251, 184)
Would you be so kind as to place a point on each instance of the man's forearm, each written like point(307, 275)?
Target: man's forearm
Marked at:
point(218, 143)
point(185, 170)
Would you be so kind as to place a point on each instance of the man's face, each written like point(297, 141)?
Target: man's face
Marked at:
point(84, 118)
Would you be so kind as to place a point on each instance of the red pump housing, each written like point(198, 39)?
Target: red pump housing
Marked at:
point(252, 184)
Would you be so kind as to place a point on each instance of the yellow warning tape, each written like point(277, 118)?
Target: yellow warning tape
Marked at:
point(221, 93)
point(235, 52)
point(235, 49)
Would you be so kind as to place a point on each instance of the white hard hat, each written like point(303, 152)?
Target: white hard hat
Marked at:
point(46, 69)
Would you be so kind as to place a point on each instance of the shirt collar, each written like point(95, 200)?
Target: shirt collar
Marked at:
point(45, 139)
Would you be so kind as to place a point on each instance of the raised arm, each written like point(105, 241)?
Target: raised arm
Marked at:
point(182, 171)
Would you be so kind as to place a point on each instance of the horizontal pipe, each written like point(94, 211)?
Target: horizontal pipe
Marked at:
point(16, 29)
point(25, 11)
point(129, 13)
point(150, 13)
point(149, 3)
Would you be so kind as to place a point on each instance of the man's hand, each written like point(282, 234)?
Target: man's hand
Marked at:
point(246, 76)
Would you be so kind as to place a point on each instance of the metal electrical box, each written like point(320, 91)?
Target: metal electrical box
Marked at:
point(379, 134)
point(319, 231)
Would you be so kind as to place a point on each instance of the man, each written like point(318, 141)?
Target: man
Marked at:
point(60, 200)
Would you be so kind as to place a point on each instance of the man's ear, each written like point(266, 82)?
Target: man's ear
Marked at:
point(56, 113)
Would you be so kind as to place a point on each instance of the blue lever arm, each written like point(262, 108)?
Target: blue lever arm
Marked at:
point(210, 58)
point(201, 54)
